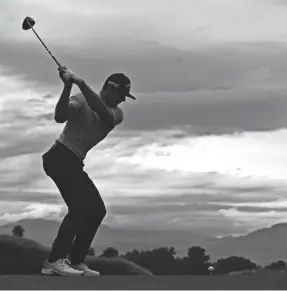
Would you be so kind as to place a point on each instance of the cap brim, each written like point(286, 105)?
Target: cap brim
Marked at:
point(131, 96)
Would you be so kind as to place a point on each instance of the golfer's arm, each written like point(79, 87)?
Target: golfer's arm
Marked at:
point(61, 110)
point(95, 102)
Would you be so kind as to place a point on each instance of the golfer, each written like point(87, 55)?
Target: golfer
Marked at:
point(89, 118)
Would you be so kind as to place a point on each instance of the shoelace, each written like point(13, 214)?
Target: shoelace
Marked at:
point(64, 263)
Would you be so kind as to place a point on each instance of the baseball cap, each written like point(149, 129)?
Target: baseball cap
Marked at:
point(121, 82)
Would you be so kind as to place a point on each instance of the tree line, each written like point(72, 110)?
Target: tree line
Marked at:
point(163, 260)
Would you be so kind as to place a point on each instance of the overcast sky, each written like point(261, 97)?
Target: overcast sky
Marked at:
point(204, 145)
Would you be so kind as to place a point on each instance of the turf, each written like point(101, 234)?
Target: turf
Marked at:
point(245, 282)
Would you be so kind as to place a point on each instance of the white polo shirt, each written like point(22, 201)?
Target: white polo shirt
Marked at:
point(85, 129)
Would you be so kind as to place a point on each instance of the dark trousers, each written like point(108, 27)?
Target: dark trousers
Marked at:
point(86, 209)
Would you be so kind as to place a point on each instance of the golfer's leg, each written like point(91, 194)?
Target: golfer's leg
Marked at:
point(96, 213)
point(70, 190)
point(64, 239)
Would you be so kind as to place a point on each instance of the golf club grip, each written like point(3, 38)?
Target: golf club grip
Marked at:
point(46, 48)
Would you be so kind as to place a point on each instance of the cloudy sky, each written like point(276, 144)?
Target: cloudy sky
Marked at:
point(204, 145)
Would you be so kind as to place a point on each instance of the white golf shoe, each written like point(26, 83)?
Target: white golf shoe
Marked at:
point(84, 268)
point(60, 267)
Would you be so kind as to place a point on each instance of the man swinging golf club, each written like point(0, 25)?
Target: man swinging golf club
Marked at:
point(89, 118)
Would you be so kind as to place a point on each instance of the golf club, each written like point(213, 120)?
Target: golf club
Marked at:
point(28, 23)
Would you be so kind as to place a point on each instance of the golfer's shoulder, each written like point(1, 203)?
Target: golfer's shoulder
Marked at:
point(118, 114)
point(119, 111)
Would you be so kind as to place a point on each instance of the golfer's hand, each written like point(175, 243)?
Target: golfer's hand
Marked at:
point(66, 81)
point(70, 76)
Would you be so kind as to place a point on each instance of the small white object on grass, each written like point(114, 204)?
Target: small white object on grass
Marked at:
point(210, 269)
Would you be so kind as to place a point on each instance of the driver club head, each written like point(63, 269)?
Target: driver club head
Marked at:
point(28, 23)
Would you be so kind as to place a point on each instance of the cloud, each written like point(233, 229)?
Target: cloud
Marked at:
point(224, 89)
point(182, 23)
point(200, 212)
point(220, 87)
point(17, 211)
point(239, 154)
point(254, 219)
point(16, 194)
point(181, 183)
point(162, 68)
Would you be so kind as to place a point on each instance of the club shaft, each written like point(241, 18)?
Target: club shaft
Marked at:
point(59, 65)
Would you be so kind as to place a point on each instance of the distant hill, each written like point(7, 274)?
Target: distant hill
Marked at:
point(44, 231)
point(261, 246)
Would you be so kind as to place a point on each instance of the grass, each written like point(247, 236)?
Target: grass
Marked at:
point(273, 281)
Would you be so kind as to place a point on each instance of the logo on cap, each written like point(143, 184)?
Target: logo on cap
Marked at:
point(114, 84)
point(128, 85)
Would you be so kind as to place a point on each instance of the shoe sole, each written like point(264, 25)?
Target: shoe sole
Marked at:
point(50, 272)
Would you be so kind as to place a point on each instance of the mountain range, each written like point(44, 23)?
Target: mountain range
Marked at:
point(262, 246)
